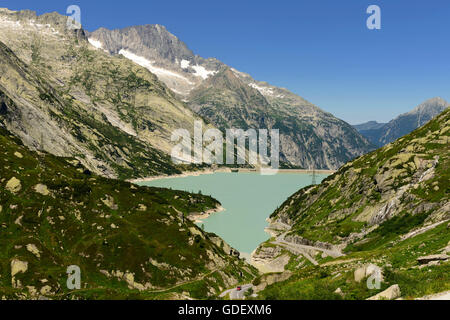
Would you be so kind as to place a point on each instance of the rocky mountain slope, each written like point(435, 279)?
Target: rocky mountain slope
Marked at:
point(159, 51)
point(226, 97)
point(62, 95)
point(309, 137)
point(381, 134)
point(390, 208)
point(129, 241)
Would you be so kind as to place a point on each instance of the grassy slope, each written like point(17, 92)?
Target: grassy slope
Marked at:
point(72, 225)
point(310, 209)
point(328, 212)
point(399, 267)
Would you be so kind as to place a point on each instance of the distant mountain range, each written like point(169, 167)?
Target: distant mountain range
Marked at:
point(381, 134)
point(371, 125)
point(229, 98)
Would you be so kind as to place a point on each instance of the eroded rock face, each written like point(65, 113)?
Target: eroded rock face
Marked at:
point(269, 259)
point(269, 279)
point(109, 202)
point(221, 244)
point(107, 131)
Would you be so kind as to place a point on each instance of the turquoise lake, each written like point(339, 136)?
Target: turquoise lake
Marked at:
point(248, 199)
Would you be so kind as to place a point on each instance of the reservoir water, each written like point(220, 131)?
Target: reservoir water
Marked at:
point(248, 199)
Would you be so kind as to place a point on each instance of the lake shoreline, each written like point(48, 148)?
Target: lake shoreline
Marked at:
point(199, 217)
point(249, 199)
point(225, 170)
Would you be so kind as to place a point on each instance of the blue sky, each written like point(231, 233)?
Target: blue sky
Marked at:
point(319, 49)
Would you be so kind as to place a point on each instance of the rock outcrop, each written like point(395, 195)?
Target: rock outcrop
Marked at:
point(431, 258)
point(391, 293)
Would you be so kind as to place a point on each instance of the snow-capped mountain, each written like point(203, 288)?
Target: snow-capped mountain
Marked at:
point(229, 98)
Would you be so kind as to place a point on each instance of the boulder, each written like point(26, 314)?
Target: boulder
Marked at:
point(42, 189)
point(434, 257)
point(339, 292)
point(18, 266)
point(13, 185)
point(46, 290)
point(109, 202)
point(391, 293)
point(360, 274)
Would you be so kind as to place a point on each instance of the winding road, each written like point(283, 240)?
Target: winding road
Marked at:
point(303, 249)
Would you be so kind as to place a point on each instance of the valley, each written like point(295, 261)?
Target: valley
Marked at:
point(89, 121)
point(247, 199)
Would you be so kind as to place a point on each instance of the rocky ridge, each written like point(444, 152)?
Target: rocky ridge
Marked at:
point(62, 95)
point(381, 134)
point(389, 208)
point(229, 98)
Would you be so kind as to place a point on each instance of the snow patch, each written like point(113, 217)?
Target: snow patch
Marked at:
point(202, 72)
point(263, 90)
point(266, 91)
point(185, 64)
point(143, 62)
point(95, 43)
point(199, 70)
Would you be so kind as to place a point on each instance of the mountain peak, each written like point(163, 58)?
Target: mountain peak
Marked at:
point(403, 124)
point(151, 41)
point(432, 106)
